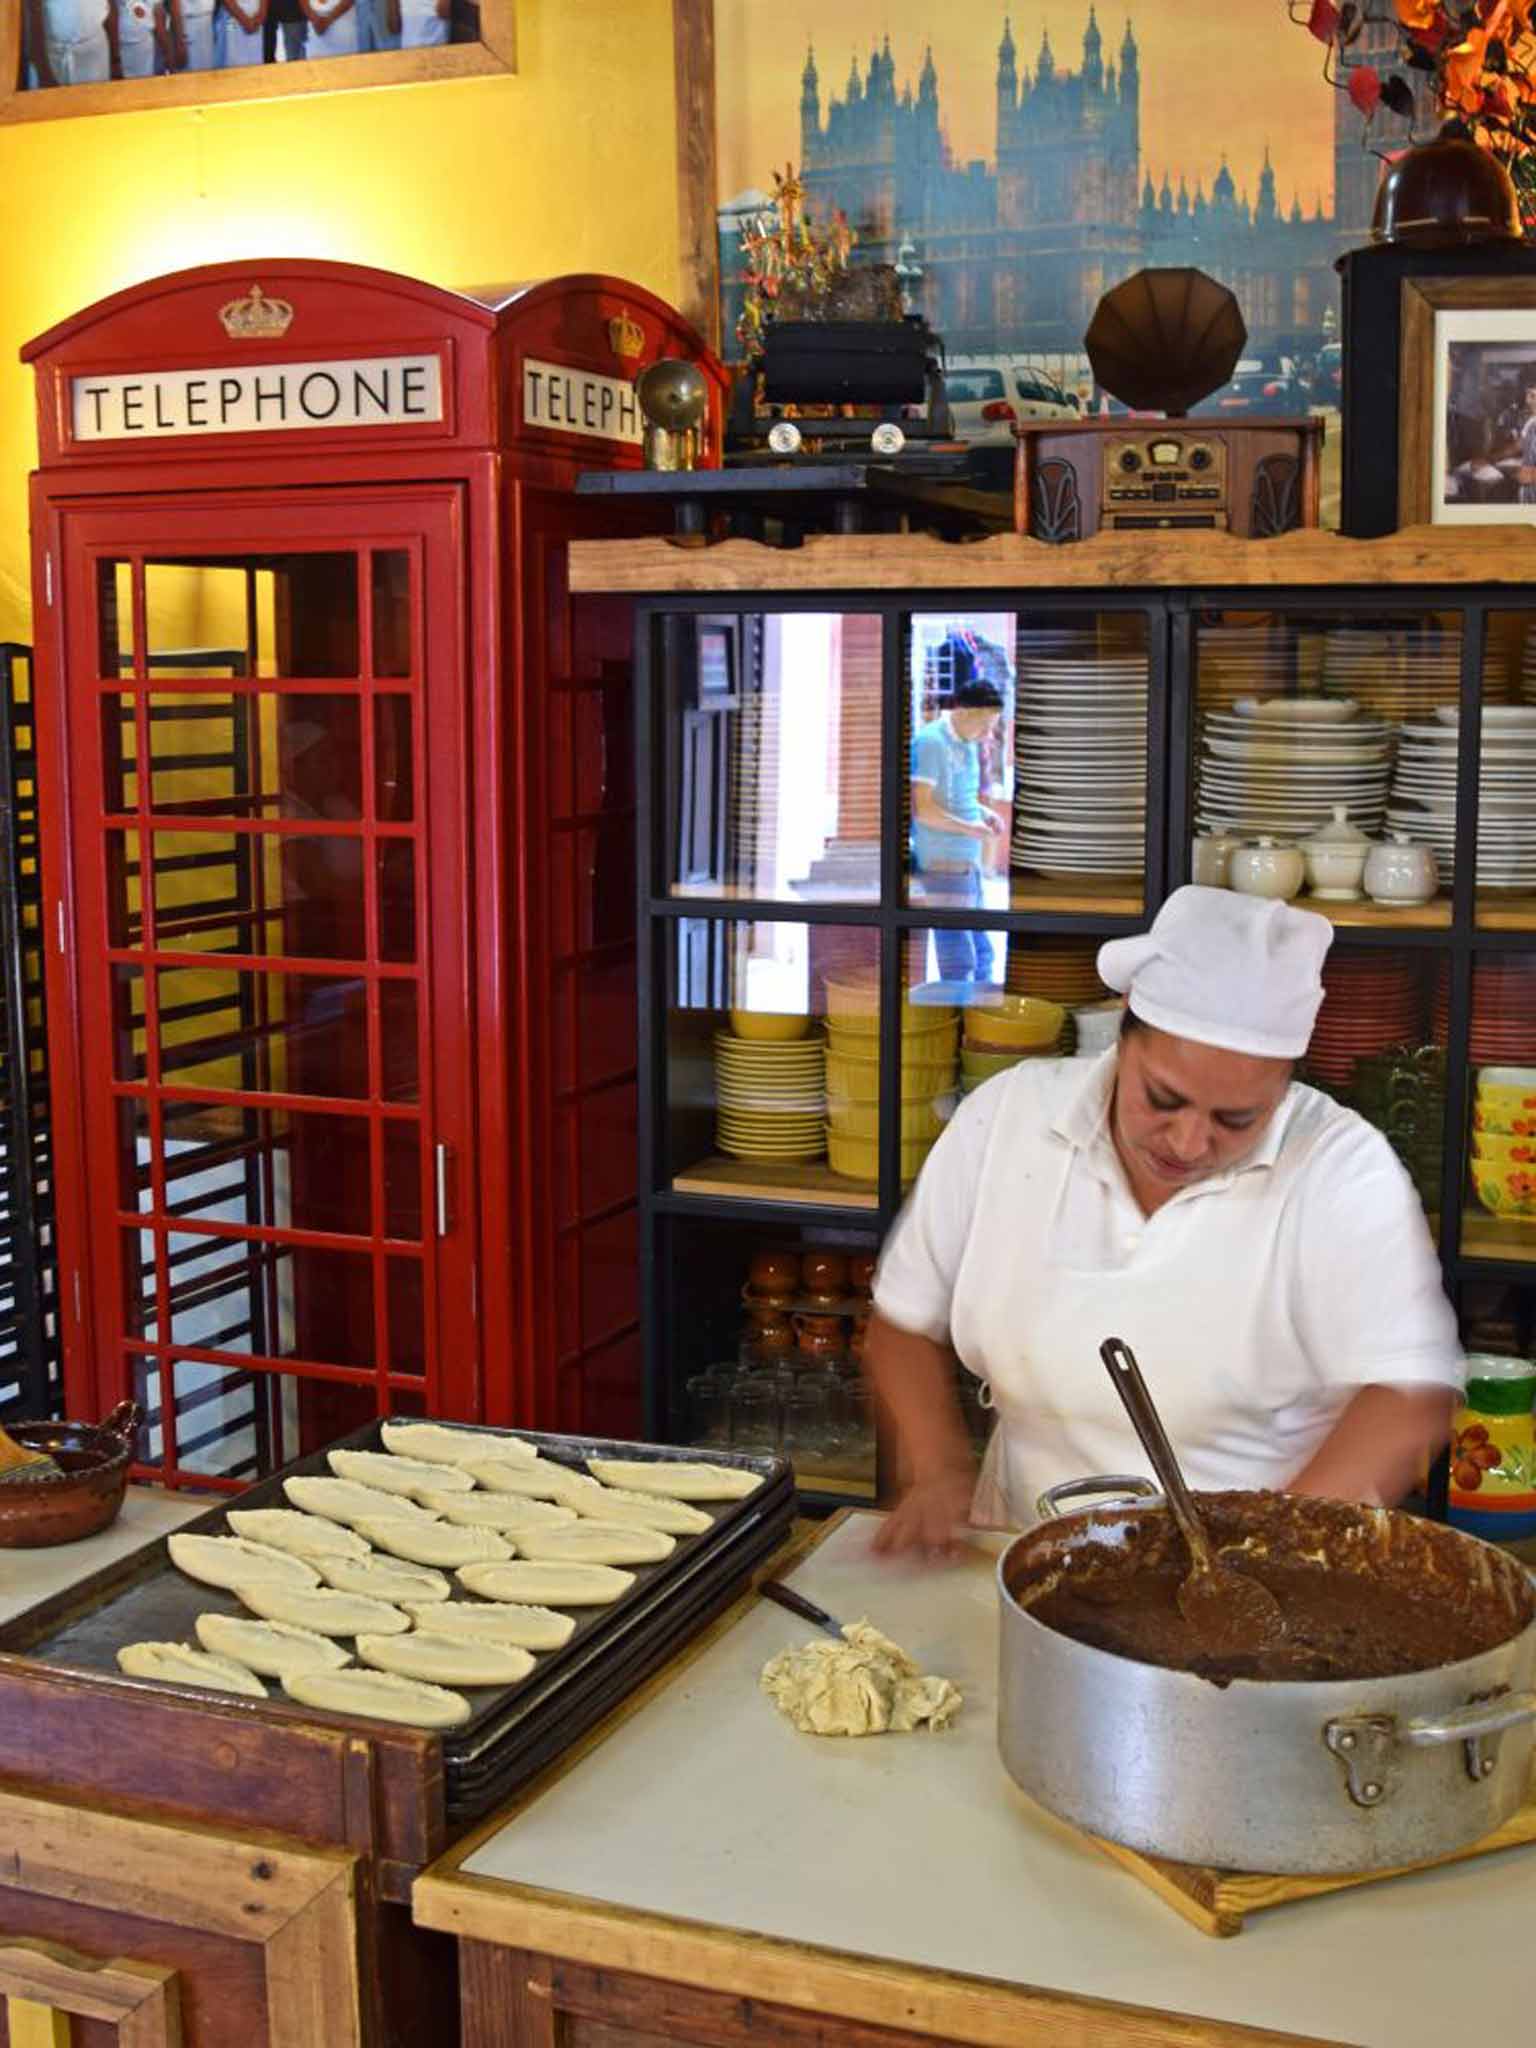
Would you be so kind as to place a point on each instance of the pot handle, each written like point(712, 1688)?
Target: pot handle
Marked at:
point(1124, 1489)
point(1471, 1723)
point(126, 1420)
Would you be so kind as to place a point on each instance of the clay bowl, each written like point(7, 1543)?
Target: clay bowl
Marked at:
point(86, 1495)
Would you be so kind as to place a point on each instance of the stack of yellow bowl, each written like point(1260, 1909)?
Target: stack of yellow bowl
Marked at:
point(1504, 1140)
point(770, 1087)
point(928, 1036)
point(1002, 1029)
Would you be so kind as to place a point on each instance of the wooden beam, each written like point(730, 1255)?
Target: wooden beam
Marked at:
point(1425, 555)
point(693, 67)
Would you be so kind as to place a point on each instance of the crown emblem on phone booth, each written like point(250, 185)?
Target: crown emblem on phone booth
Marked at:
point(255, 317)
point(626, 337)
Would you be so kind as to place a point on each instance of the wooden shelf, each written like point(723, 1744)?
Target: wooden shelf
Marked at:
point(1431, 556)
point(1088, 896)
point(765, 1180)
point(1498, 1237)
point(1368, 916)
point(1505, 910)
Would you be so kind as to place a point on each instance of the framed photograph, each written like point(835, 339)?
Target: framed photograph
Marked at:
point(68, 57)
point(1467, 401)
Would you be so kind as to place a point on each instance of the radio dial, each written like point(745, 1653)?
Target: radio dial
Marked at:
point(1130, 461)
point(1200, 457)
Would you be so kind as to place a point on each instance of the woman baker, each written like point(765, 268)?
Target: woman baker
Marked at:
point(1259, 1247)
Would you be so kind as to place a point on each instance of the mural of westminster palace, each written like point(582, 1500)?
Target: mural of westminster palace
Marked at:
point(1014, 253)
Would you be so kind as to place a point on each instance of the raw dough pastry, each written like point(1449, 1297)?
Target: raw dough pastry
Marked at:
point(343, 1500)
point(390, 1474)
point(380, 1695)
point(180, 1664)
point(439, 1446)
point(542, 1480)
point(310, 1536)
point(435, 1542)
point(328, 1612)
point(547, 1585)
point(384, 1578)
point(230, 1561)
point(864, 1685)
point(446, 1660)
point(676, 1479)
point(271, 1647)
point(638, 1510)
point(507, 1511)
point(529, 1628)
point(596, 1543)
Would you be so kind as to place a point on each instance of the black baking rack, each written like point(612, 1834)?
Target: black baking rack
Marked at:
point(513, 1731)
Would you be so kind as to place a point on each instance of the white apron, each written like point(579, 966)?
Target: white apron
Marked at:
point(1239, 1396)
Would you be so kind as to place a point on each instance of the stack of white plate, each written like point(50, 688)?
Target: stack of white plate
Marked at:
point(1280, 764)
point(770, 1099)
point(1424, 793)
point(1080, 794)
point(1395, 671)
point(1528, 666)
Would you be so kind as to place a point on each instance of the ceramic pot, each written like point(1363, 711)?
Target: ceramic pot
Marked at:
point(1397, 870)
point(774, 1273)
point(1335, 857)
point(1271, 868)
point(824, 1275)
point(770, 1331)
point(861, 1272)
point(818, 1337)
point(1210, 858)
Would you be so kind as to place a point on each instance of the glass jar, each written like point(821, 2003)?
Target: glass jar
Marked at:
point(1493, 1450)
point(754, 1412)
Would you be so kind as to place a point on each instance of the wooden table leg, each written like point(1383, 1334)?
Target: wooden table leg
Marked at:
point(504, 1998)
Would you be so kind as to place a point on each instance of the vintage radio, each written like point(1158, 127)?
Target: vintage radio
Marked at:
point(1074, 478)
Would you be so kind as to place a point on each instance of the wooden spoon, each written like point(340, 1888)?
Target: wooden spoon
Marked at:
point(1227, 1609)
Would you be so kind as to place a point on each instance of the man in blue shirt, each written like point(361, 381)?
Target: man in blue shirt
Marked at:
point(951, 825)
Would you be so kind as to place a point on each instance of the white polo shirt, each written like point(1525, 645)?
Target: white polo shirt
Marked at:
point(1257, 1301)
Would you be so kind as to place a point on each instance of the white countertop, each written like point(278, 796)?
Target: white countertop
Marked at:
point(707, 1805)
point(28, 1576)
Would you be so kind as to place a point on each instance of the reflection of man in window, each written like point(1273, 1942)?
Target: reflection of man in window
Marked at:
point(951, 825)
point(1528, 449)
point(67, 42)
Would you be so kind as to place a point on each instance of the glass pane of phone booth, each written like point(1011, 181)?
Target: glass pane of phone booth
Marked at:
point(772, 738)
point(1029, 739)
point(261, 831)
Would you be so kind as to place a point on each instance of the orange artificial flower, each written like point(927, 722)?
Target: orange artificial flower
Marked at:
point(1463, 85)
point(1418, 13)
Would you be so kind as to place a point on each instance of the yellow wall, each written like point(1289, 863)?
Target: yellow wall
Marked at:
point(568, 165)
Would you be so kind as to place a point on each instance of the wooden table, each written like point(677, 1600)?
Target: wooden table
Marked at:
point(698, 1871)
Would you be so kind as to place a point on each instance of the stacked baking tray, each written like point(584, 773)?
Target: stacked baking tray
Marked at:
point(513, 1730)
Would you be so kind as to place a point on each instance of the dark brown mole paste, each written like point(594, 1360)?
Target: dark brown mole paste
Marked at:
point(1336, 1625)
point(1363, 1593)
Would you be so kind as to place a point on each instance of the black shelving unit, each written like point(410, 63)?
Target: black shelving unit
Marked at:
point(30, 1383)
point(672, 1290)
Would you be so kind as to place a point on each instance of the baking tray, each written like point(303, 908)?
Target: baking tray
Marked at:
point(513, 1730)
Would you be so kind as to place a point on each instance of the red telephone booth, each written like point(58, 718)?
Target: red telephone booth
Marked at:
point(338, 818)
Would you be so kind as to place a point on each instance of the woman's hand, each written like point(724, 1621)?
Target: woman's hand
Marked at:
point(930, 1515)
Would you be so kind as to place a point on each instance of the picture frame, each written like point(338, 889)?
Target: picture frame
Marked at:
point(1467, 347)
point(493, 50)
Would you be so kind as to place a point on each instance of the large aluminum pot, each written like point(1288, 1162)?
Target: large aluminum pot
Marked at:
point(1268, 1776)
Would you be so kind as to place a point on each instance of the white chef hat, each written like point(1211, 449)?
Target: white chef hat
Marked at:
point(1241, 972)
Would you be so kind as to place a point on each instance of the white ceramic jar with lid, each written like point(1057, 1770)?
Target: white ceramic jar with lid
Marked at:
point(1335, 858)
point(1211, 854)
point(1270, 868)
point(1399, 870)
